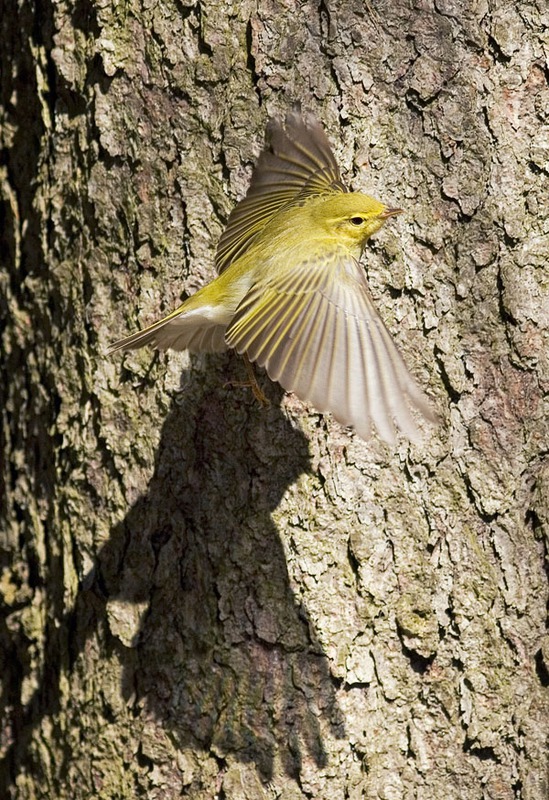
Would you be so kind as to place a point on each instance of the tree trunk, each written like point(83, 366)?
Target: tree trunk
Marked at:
point(205, 599)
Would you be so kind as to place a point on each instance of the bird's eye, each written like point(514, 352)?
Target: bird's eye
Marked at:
point(356, 220)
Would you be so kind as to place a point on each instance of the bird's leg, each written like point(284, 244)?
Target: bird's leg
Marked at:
point(251, 383)
point(254, 386)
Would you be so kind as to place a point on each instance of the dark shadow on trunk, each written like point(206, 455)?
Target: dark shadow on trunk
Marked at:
point(223, 653)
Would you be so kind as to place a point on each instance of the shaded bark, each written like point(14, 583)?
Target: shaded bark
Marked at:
point(204, 599)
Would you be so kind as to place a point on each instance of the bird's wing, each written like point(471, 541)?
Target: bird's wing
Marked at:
point(297, 162)
point(316, 331)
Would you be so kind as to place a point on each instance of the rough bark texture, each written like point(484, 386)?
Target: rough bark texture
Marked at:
point(202, 599)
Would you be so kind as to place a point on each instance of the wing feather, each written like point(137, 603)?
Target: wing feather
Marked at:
point(317, 332)
point(338, 344)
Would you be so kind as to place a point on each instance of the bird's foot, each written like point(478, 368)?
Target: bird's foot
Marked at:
point(252, 384)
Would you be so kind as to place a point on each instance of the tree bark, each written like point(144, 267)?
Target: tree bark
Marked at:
point(205, 599)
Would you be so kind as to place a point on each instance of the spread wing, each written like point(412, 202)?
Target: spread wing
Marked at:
point(316, 331)
point(297, 162)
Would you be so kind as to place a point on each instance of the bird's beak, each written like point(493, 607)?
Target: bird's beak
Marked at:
point(391, 212)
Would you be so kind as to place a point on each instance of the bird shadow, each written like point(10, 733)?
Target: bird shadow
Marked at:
point(194, 587)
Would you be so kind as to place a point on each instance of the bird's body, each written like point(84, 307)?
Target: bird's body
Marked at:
point(291, 294)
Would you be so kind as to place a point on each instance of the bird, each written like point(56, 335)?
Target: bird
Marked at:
point(290, 294)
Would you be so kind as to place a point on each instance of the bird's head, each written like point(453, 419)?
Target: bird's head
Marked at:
point(352, 217)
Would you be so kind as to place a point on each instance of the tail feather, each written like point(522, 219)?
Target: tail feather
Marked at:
point(192, 332)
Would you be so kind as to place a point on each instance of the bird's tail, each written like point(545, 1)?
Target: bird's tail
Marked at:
point(180, 330)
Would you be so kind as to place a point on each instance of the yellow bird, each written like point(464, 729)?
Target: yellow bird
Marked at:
point(291, 295)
